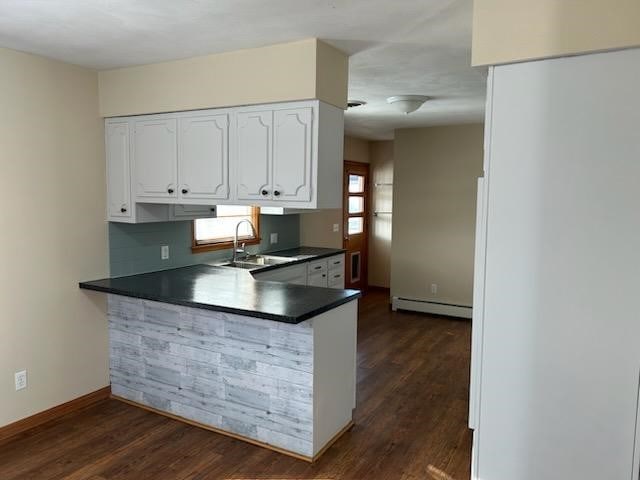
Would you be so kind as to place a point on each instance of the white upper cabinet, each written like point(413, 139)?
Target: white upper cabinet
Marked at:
point(119, 207)
point(203, 158)
point(155, 159)
point(285, 155)
point(292, 150)
point(254, 159)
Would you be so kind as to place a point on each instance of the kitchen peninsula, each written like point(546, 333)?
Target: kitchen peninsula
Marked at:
point(267, 362)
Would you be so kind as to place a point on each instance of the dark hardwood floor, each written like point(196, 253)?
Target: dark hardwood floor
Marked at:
point(411, 419)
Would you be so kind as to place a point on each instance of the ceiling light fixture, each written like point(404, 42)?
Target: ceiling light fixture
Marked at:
point(407, 103)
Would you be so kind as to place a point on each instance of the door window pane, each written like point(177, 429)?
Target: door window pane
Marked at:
point(356, 225)
point(356, 184)
point(356, 204)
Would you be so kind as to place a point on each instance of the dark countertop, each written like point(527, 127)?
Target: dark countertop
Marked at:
point(231, 290)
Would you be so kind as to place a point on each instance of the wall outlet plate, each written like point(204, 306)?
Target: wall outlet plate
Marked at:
point(434, 288)
point(336, 227)
point(273, 238)
point(164, 252)
point(20, 380)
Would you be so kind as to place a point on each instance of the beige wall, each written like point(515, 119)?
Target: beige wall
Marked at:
point(381, 156)
point(53, 234)
point(316, 228)
point(356, 149)
point(512, 30)
point(434, 201)
point(289, 71)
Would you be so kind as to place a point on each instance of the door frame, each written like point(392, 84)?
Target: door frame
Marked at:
point(364, 261)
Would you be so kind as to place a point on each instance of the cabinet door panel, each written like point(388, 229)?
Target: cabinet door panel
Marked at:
point(253, 174)
point(155, 158)
point(292, 154)
point(118, 171)
point(203, 161)
point(317, 280)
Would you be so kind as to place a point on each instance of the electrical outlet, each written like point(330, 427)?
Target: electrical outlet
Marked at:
point(21, 380)
point(273, 238)
point(336, 227)
point(164, 252)
point(434, 288)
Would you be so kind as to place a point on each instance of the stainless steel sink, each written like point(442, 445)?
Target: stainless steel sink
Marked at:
point(266, 260)
point(256, 261)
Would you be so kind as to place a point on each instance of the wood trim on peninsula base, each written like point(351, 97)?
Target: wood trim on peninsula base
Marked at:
point(52, 413)
point(239, 437)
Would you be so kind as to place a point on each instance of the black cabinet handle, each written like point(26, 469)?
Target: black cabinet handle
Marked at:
point(170, 190)
point(337, 276)
point(123, 210)
point(185, 191)
point(265, 192)
point(276, 193)
point(337, 263)
point(213, 209)
point(323, 275)
point(318, 267)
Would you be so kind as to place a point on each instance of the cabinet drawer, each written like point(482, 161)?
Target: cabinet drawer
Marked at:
point(336, 263)
point(318, 279)
point(336, 279)
point(318, 266)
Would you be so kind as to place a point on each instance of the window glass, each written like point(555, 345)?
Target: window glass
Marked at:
point(356, 204)
point(356, 183)
point(356, 225)
point(222, 229)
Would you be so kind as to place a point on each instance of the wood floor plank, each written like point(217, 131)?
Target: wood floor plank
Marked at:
point(411, 422)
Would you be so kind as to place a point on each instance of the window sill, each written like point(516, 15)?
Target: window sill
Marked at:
point(212, 247)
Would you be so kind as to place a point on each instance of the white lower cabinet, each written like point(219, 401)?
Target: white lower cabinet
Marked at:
point(326, 272)
point(296, 274)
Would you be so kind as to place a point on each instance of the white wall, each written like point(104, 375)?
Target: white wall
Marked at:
point(53, 234)
point(434, 202)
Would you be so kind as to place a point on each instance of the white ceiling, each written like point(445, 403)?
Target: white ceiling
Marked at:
point(396, 46)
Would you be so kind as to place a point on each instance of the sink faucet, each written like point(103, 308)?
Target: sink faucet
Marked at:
point(242, 249)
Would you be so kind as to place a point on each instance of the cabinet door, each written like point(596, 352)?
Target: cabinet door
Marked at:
point(292, 154)
point(253, 174)
point(119, 205)
point(318, 280)
point(203, 160)
point(155, 158)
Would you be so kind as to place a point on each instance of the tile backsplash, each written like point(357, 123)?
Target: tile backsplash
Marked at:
point(135, 248)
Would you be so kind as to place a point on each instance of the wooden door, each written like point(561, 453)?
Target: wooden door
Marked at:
point(119, 206)
point(356, 223)
point(292, 154)
point(155, 158)
point(203, 161)
point(253, 167)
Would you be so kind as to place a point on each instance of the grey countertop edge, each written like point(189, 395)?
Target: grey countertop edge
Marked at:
point(218, 308)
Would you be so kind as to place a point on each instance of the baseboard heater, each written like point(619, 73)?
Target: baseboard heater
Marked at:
point(425, 306)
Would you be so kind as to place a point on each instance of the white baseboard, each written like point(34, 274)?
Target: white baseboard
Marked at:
point(425, 306)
